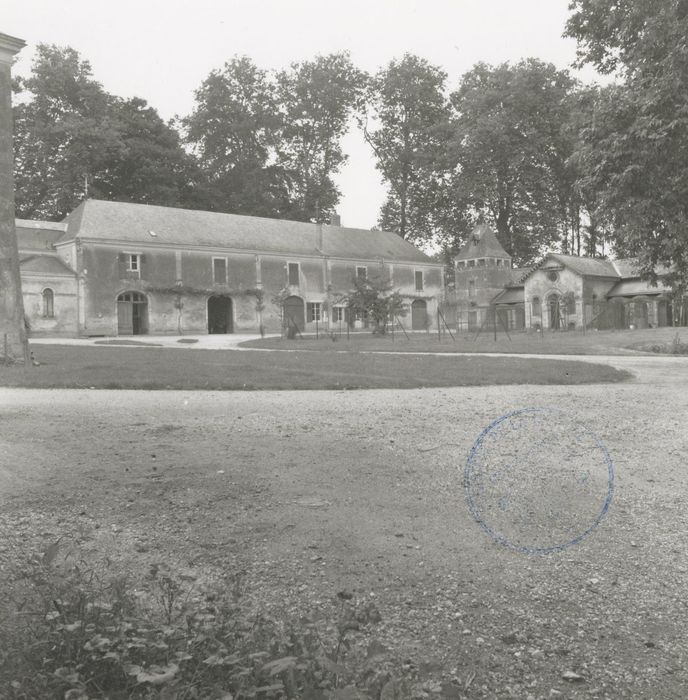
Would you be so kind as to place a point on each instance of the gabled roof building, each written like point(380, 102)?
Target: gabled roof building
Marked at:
point(115, 268)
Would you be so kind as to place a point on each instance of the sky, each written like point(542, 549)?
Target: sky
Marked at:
point(161, 50)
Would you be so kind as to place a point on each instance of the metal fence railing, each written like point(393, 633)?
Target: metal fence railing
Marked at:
point(559, 314)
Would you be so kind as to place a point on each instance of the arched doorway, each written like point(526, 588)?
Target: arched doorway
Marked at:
point(554, 308)
point(294, 316)
point(419, 315)
point(132, 314)
point(220, 316)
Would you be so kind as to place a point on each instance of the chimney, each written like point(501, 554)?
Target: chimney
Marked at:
point(335, 220)
point(318, 237)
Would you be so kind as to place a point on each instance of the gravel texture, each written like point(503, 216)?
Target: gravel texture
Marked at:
point(310, 493)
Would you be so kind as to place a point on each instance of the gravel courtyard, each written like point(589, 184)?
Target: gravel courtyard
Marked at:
point(310, 493)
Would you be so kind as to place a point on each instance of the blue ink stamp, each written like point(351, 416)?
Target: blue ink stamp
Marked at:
point(537, 481)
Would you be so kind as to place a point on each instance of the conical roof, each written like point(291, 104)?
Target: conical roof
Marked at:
point(482, 243)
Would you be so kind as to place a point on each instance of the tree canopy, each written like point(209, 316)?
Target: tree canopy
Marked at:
point(406, 99)
point(634, 150)
point(316, 99)
point(73, 140)
point(548, 162)
point(508, 152)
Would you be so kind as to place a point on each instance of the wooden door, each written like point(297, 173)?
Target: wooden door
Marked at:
point(419, 315)
point(125, 317)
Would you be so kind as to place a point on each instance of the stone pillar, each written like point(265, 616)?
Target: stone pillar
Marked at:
point(13, 342)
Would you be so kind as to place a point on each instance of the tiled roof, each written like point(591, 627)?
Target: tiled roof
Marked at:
point(48, 264)
point(512, 295)
point(626, 267)
point(591, 267)
point(482, 243)
point(144, 223)
point(517, 274)
point(38, 235)
point(636, 287)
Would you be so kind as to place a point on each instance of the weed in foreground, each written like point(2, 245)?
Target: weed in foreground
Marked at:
point(82, 631)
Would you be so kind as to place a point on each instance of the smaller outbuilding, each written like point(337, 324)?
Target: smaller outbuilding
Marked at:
point(561, 292)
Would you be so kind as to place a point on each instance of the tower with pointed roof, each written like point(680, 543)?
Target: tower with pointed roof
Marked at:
point(481, 270)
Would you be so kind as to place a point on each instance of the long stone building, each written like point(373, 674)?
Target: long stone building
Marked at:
point(113, 268)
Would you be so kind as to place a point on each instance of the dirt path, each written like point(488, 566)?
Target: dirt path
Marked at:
point(308, 493)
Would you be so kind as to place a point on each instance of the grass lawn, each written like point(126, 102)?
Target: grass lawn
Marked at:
point(547, 343)
point(166, 368)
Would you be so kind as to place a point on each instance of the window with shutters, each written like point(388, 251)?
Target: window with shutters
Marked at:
point(48, 303)
point(419, 280)
point(220, 270)
point(293, 270)
point(339, 314)
point(133, 262)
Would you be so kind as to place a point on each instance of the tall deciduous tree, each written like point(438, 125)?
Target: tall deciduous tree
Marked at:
point(63, 134)
point(234, 130)
point(316, 99)
point(149, 164)
point(508, 153)
point(73, 140)
point(636, 151)
point(406, 108)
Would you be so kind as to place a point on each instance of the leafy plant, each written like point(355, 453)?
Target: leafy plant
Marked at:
point(373, 298)
point(85, 631)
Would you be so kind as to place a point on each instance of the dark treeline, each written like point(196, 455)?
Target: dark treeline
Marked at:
point(547, 161)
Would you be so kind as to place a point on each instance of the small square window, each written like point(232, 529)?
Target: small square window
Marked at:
point(220, 270)
point(314, 311)
point(293, 269)
point(419, 280)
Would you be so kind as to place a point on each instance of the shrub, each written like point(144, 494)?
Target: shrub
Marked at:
point(85, 632)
